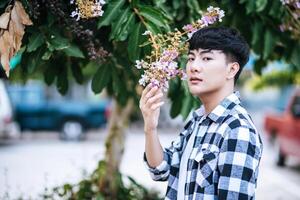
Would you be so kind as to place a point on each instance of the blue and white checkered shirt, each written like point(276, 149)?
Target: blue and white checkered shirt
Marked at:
point(225, 158)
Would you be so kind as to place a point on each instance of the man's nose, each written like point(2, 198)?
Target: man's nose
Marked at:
point(196, 67)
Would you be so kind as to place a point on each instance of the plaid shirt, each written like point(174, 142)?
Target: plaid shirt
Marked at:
point(225, 158)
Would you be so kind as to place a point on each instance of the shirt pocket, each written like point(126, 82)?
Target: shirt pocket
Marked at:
point(206, 161)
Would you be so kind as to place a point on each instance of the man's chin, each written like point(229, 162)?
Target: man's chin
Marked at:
point(197, 92)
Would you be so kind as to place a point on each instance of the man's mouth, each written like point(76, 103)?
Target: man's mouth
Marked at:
point(195, 80)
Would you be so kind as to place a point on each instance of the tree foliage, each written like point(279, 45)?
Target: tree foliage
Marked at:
point(54, 51)
point(286, 78)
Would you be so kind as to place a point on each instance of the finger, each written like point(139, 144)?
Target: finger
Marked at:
point(155, 98)
point(157, 105)
point(159, 93)
point(144, 93)
point(152, 92)
point(146, 90)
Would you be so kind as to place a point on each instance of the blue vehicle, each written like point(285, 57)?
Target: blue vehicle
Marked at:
point(38, 108)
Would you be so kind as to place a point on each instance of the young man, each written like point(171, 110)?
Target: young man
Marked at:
point(217, 154)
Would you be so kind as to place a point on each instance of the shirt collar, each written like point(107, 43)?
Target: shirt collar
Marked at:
point(219, 113)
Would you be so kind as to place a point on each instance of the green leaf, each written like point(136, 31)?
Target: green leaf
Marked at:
point(116, 82)
point(166, 11)
point(176, 94)
point(56, 41)
point(77, 72)
point(62, 83)
point(261, 5)
point(59, 44)
point(126, 28)
point(295, 59)
point(176, 106)
point(152, 27)
point(100, 197)
point(243, 1)
point(276, 9)
point(259, 65)
point(120, 92)
point(256, 43)
point(257, 30)
point(153, 15)
point(135, 3)
point(269, 44)
point(116, 27)
point(134, 50)
point(250, 6)
point(176, 4)
point(145, 43)
point(35, 41)
point(35, 60)
point(49, 75)
point(74, 51)
point(193, 4)
point(187, 106)
point(110, 13)
point(50, 19)
point(47, 55)
point(101, 78)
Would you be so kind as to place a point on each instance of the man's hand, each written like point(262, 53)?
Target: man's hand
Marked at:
point(150, 103)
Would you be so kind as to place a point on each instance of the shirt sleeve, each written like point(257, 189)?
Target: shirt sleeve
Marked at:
point(238, 164)
point(170, 155)
point(161, 172)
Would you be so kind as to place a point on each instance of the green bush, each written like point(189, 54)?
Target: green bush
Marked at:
point(88, 189)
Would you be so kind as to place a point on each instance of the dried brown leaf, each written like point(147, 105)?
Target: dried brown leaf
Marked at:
point(4, 19)
point(16, 28)
point(11, 36)
point(6, 50)
point(24, 18)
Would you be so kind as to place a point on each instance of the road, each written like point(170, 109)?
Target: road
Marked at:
point(37, 161)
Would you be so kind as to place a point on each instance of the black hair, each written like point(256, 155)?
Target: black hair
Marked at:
point(228, 40)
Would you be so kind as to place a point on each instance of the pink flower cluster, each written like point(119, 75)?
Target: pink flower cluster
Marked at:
point(87, 8)
point(295, 3)
point(213, 15)
point(291, 23)
point(165, 66)
point(160, 72)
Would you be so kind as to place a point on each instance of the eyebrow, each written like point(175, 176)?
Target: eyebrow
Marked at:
point(202, 52)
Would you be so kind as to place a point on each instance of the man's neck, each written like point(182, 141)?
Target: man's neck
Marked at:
point(211, 100)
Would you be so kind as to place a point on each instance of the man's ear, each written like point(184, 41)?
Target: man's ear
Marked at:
point(233, 69)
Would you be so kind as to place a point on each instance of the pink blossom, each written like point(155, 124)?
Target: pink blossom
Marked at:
point(169, 55)
point(189, 28)
point(165, 66)
point(282, 27)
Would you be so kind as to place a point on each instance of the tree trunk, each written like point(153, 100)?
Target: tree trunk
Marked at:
point(115, 140)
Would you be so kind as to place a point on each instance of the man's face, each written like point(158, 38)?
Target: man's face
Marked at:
point(206, 71)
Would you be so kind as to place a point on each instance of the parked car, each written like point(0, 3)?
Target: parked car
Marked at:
point(284, 129)
point(8, 128)
point(36, 111)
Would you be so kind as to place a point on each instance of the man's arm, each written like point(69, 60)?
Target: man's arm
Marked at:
point(153, 149)
point(238, 164)
point(150, 103)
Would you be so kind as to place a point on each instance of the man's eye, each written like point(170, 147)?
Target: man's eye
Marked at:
point(190, 59)
point(206, 58)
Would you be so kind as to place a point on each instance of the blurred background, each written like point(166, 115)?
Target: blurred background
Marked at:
point(70, 126)
point(48, 139)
